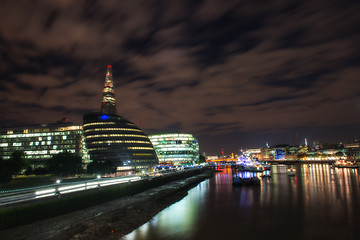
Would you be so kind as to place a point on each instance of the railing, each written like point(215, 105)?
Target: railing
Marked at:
point(58, 189)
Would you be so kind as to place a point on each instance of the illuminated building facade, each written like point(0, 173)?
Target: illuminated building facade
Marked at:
point(114, 138)
point(110, 137)
point(175, 148)
point(42, 142)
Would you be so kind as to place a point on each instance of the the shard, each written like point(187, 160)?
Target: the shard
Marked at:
point(108, 104)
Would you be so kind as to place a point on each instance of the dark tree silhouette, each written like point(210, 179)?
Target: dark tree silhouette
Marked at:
point(5, 173)
point(201, 159)
point(65, 164)
point(104, 167)
point(14, 165)
point(18, 162)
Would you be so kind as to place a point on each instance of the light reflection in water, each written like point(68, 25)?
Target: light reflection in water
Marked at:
point(319, 202)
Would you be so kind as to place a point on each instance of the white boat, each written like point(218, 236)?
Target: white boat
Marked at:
point(291, 172)
point(250, 166)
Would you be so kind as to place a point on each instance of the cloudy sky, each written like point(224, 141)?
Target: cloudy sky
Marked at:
point(236, 74)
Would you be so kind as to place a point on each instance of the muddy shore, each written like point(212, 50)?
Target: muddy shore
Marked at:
point(110, 220)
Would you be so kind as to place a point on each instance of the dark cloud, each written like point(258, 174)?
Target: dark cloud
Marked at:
point(234, 73)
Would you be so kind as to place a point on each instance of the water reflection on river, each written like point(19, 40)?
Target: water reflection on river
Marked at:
point(319, 202)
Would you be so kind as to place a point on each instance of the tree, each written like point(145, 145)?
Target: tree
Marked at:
point(65, 164)
point(17, 162)
point(201, 159)
point(101, 167)
point(29, 171)
point(339, 154)
point(14, 165)
point(302, 155)
point(5, 173)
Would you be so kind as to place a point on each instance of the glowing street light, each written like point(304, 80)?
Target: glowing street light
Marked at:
point(98, 179)
point(57, 192)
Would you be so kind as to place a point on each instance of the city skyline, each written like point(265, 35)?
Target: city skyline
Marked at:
point(234, 74)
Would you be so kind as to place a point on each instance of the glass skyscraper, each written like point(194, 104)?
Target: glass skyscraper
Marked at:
point(175, 148)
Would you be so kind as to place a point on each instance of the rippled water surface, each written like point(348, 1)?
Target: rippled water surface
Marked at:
point(319, 202)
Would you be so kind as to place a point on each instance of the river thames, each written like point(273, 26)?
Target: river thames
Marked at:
point(319, 202)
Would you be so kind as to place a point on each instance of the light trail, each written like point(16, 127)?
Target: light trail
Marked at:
point(60, 189)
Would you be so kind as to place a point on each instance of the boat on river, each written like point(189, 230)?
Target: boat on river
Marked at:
point(241, 181)
point(291, 172)
point(265, 176)
point(266, 166)
point(250, 167)
point(346, 164)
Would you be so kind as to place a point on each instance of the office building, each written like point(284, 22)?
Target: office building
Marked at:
point(41, 142)
point(175, 148)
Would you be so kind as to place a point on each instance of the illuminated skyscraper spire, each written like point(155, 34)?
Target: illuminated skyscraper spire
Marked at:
point(108, 105)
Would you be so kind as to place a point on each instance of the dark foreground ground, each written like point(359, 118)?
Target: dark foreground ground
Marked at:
point(109, 220)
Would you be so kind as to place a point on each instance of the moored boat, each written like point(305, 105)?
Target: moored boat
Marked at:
point(291, 172)
point(265, 176)
point(346, 164)
point(239, 181)
point(266, 166)
point(251, 167)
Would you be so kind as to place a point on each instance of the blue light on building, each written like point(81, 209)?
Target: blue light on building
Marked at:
point(104, 117)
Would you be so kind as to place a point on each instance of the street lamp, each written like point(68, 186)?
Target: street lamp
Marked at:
point(98, 179)
point(57, 192)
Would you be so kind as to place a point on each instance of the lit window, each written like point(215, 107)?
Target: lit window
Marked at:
point(98, 123)
point(116, 135)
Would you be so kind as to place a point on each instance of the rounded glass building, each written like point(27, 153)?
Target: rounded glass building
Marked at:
point(114, 138)
point(175, 148)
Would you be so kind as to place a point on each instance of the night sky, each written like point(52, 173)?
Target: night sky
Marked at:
point(236, 74)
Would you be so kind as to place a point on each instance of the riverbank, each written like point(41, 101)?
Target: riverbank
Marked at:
point(109, 220)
